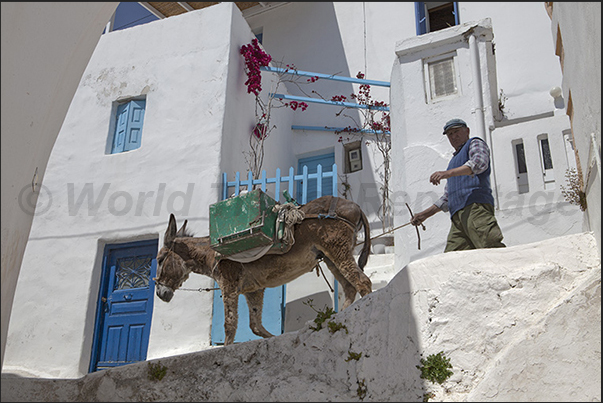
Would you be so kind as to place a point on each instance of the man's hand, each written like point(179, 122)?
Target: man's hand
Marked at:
point(424, 215)
point(417, 219)
point(437, 176)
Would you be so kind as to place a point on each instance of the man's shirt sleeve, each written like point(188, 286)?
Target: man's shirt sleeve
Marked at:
point(442, 202)
point(479, 156)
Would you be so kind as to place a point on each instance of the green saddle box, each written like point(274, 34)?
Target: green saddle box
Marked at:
point(245, 222)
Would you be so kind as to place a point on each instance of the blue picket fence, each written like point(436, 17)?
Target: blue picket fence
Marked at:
point(290, 180)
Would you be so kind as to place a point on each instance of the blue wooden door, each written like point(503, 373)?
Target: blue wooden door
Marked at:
point(326, 161)
point(125, 306)
point(272, 316)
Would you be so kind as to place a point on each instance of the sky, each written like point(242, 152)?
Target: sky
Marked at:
point(129, 14)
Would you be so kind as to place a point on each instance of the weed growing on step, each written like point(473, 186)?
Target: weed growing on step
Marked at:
point(361, 391)
point(353, 356)
point(321, 317)
point(334, 326)
point(435, 368)
point(324, 316)
point(157, 371)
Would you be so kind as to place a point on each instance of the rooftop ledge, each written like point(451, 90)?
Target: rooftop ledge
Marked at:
point(482, 30)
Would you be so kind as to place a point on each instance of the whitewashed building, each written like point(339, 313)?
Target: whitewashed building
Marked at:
point(182, 80)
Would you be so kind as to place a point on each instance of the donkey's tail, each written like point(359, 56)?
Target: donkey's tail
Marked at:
point(366, 249)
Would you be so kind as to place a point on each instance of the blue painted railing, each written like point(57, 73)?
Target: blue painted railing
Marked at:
point(325, 102)
point(277, 180)
point(336, 129)
point(325, 76)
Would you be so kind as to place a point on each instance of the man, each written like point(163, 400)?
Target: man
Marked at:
point(467, 195)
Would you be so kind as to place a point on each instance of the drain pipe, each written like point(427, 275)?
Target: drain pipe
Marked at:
point(477, 88)
point(479, 108)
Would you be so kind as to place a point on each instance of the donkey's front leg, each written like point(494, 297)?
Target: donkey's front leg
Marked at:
point(255, 301)
point(230, 298)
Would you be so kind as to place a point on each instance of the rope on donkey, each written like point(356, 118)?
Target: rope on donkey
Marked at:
point(290, 214)
point(319, 269)
point(199, 289)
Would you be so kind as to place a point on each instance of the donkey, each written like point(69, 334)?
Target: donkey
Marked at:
point(318, 236)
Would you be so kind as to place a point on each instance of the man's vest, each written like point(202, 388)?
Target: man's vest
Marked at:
point(466, 189)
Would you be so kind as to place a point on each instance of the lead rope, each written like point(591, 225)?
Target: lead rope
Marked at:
point(400, 226)
point(205, 289)
point(199, 289)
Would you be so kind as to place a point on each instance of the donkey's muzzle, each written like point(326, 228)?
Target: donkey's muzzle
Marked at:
point(164, 293)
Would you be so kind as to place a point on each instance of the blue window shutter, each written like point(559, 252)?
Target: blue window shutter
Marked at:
point(135, 120)
point(457, 19)
point(128, 127)
point(421, 18)
point(121, 127)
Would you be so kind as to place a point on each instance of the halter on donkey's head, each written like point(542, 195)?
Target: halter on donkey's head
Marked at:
point(164, 290)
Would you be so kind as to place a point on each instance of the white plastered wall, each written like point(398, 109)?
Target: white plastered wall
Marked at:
point(176, 169)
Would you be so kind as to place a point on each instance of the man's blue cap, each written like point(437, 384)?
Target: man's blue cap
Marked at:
point(454, 123)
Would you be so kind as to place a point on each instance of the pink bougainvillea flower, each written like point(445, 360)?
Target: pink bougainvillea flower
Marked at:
point(255, 58)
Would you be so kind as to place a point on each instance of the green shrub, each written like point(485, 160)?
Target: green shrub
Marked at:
point(321, 317)
point(435, 368)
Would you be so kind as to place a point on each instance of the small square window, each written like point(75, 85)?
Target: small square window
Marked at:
point(434, 16)
point(442, 78)
point(129, 118)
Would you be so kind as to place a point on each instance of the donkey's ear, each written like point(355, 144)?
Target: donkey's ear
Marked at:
point(170, 233)
point(182, 229)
